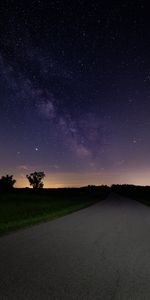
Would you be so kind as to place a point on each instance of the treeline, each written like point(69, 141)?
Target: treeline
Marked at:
point(35, 179)
point(140, 193)
point(137, 192)
point(72, 193)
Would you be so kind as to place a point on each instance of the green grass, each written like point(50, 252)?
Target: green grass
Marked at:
point(21, 209)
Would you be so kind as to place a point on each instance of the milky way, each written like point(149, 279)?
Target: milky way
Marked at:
point(75, 91)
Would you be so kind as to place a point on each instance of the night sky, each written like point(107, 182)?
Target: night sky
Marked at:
point(75, 91)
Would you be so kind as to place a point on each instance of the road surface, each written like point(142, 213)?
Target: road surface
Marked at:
point(101, 252)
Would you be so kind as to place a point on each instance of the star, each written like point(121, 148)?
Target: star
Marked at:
point(134, 141)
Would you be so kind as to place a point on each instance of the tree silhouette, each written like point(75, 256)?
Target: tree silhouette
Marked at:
point(35, 179)
point(7, 182)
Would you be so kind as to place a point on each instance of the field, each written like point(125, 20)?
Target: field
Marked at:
point(23, 207)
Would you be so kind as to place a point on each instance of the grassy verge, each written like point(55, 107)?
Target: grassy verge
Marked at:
point(20, 209)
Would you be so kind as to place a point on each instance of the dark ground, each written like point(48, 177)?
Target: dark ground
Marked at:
point(24, 207)
point(100, 252)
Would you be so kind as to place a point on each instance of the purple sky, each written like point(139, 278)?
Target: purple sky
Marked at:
point(75, 91)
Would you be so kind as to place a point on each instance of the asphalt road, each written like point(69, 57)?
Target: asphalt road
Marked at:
point(101, 252)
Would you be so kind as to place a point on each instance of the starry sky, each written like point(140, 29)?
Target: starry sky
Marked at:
point(75, 91)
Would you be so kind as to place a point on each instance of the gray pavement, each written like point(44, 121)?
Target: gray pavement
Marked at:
point(101, 252)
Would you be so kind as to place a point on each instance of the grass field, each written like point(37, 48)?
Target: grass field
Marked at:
point(21, 208)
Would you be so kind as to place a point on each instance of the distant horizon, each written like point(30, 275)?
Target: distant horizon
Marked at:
point(78, 187)
point(80, 180)
point(71, 179)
